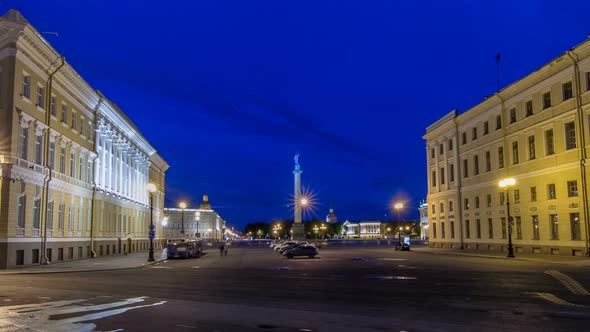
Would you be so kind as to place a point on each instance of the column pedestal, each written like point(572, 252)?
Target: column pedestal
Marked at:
point(298, 232)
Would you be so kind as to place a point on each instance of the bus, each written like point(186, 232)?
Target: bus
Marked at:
point(184, 248)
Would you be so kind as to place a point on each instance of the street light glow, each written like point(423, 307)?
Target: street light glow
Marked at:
point(165, 221)
point(152, 187)
point(182, 205)
point(508, 182)
point(398, 206)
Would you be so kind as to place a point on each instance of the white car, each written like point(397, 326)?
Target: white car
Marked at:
point(284, 244)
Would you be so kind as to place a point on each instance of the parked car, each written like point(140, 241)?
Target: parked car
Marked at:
point(402, 247)
point(287, 247)
point(301, 250)
point(284, 244)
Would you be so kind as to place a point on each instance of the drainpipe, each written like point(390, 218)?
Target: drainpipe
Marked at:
point(46, 168)
point(95, 184)
point(458, 178)
point(582, 141)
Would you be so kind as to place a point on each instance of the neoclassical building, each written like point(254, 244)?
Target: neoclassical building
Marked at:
point(73, 167)
point(535, 130)
point(363, 229)
point(202, 223)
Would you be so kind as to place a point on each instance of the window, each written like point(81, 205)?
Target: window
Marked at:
point(546, 100)
point(478, 228)
point(74, 120)
point(451, 172)
point(486, 128)
point(518, 228)
point(26, 89)
point(80, 254)
point(442, 230)
point(529, 108)
point(498, 122)
point(450, 145)
point(35, 256)
point(23, 143)
point(53, 106)
point(442, 207)
point(38, 149)
point(516, 196)
point(81, 165)
point(504, 232)
point(533, 194)
point(466, 204)
point(442, 175)
point(72, 164)
point(570, 136)
point(535, 227)
point(477, 202)
point(432, 153)
point(434, 178)
point(82, 129)
point(450, 206)
point(60, 216)
point(64, 113)
point(41, 96)
point(36, 212)
point(467, 230)
point(464, 138)
point(465, 168)
point(514, 153)
point(433, 209)
point(475, 165)
point(60, 254)
point(551, 191)
point(572, 188)
point(452, 229)
point(513, 115)
point(490, 228)
point(62, 160)
point(549, 148)
point(532, 147)
point(588, 81)
point(89, 171)
point(489, 200)
point(575, 226)
point(567, 90)
point(502, 198)
point(49, 223)
point(554, 226)
point(474, 133)
point(51, 161)
point(20, 211)
point(500, 157)
point(434, 230)
point(79, 219)
point(20, 257)
point(488, 161)
point(70, 218)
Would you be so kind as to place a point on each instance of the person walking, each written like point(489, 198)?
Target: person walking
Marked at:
point(221, 249)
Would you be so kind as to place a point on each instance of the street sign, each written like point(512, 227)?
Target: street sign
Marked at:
point(152, 235)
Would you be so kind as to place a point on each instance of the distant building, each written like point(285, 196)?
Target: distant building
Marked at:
point(423, 220)
point(331, 217)
point(368, 229)
point(202, 223)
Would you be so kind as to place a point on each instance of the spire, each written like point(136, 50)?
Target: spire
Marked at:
point(14, 16)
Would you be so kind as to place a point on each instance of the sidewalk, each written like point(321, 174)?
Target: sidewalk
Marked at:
point(580, 261)
point(105, 263)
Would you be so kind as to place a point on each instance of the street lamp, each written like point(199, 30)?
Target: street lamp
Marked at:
point(182, 206)
point(398, 207)
point(315, 229)
point(506, 184)
point(151, 189)
point(323, 228)
point(197, 218)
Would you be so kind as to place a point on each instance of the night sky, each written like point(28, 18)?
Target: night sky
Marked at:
point(229, 91)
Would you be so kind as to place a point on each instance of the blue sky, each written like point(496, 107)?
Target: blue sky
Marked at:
point(229, 91)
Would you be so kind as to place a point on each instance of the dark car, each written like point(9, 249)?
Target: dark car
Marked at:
point(301, 250)
point(402, 247)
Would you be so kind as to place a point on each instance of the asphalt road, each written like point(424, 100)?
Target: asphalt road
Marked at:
point(345, 289)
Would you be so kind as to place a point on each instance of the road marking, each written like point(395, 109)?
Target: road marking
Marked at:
point(388, 277)
point(159, 267)
point(186, 326)
point(41, 316)
point(196, 267)
point(554, 299)
point(392, 259)
point(568, 282)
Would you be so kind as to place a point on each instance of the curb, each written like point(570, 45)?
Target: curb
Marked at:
point(24, 271)
point(534, 260)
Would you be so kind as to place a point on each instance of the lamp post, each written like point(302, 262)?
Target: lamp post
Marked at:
point(506, 184)
point(182, 206)
point(323, 228)
point(398, 207)
point(151, 189)
point(315, 230)
point(197, 219)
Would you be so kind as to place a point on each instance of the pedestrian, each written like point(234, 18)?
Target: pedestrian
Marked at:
point(225, 252)
point(221, 249)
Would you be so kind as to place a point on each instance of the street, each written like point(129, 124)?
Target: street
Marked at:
point(345, 289)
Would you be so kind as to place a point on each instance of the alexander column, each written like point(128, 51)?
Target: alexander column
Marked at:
point(298, 228)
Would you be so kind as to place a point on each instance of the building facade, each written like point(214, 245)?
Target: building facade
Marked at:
point(423, 209)
point(74, 169)
point(363, 229)
point(536, 131)
point(202, 223)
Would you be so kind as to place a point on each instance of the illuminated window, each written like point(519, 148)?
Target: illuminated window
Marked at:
point(575, 226)
point(554, 226)
point(535, 220)
point(570, 135)
point(551, 191)
point(572, 188)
